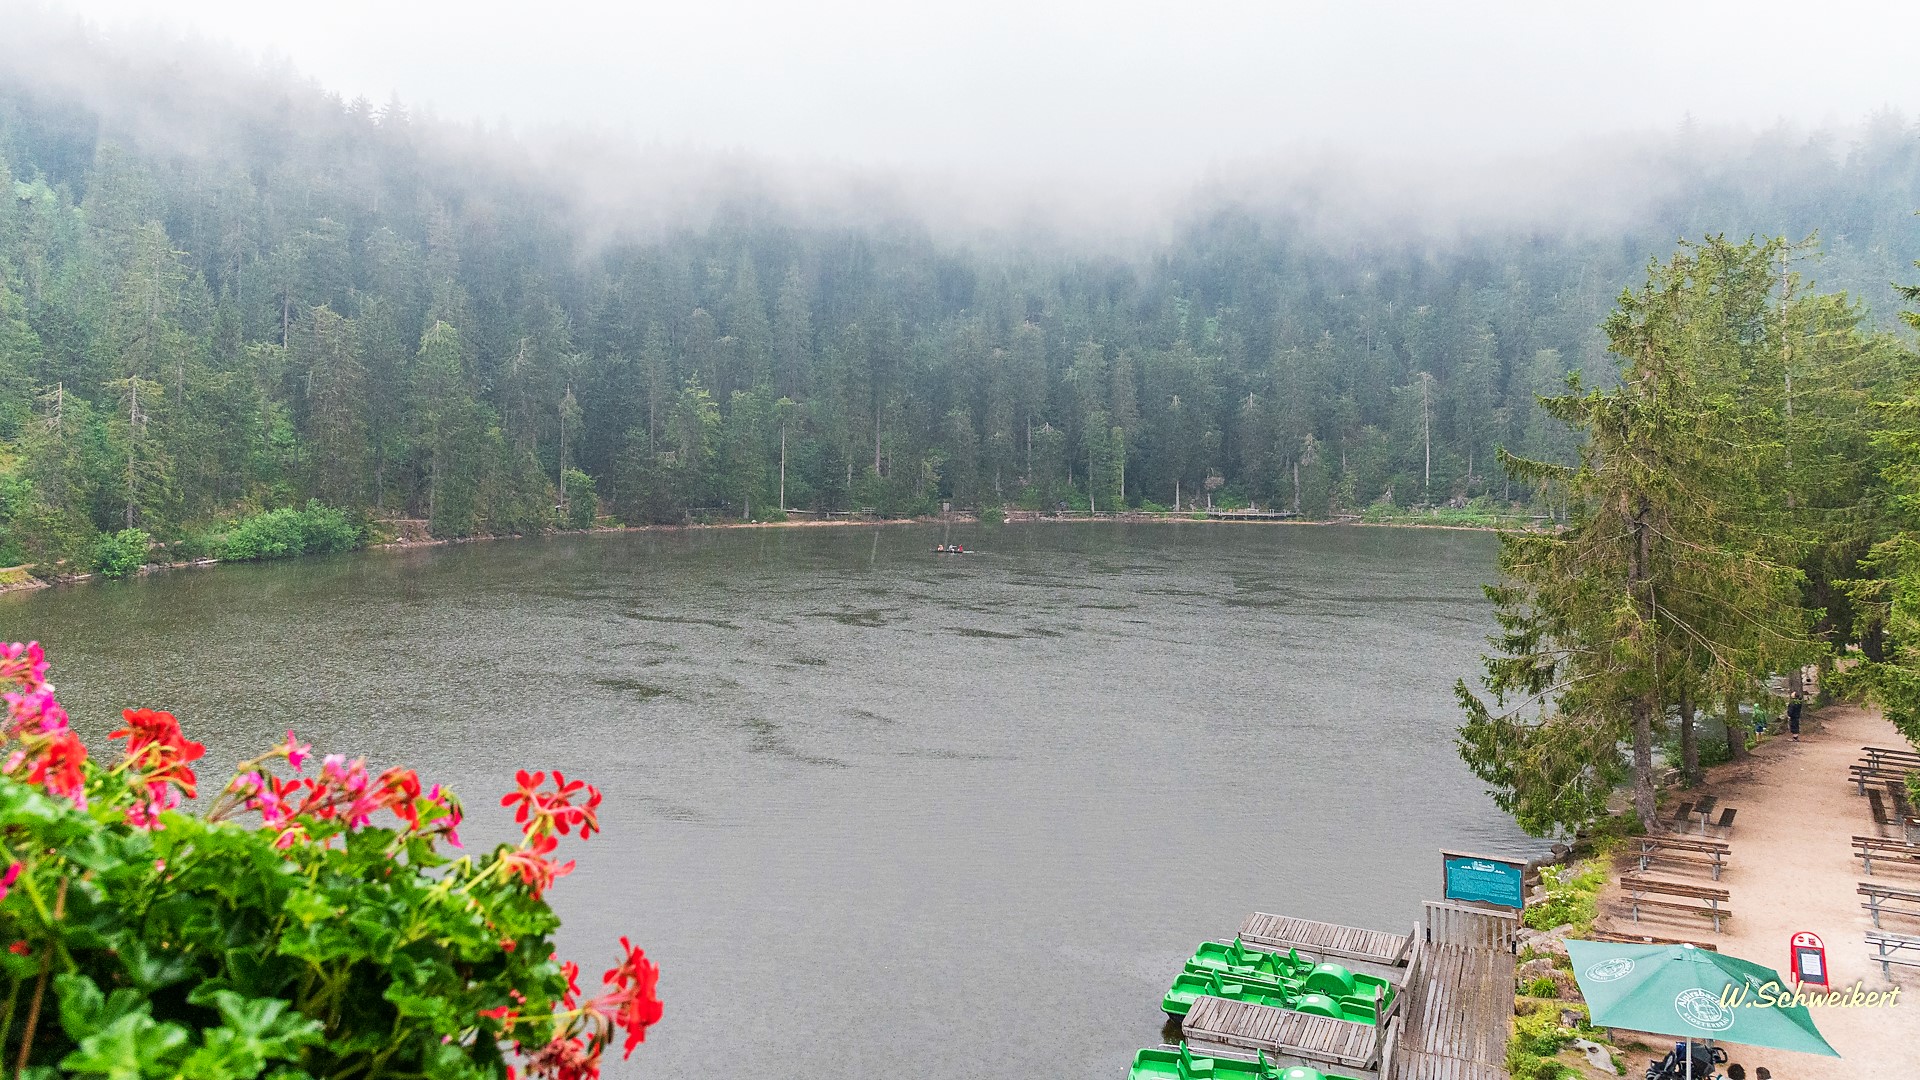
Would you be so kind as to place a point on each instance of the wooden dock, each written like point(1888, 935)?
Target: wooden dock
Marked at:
point(1451, 1011)
point(1282, 1031)
point(1458, 999)
point(1278, 933)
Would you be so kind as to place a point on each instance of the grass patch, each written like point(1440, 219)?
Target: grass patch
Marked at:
point(1479, 514)
point(1573, 894)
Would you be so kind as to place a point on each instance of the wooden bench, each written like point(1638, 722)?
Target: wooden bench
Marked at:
point(1682, 818)
point(1869, 848)
point(1648, 939)
point(1897, 799)
point(1710, 853)
point(1725, 824)
point(1863, 774)
point(1884, 899)
point(1639, 887)
point(1881, 822)
point(1890, 949)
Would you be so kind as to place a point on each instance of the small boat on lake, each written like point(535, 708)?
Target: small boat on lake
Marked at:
point(1327, 990)
point(949, 549)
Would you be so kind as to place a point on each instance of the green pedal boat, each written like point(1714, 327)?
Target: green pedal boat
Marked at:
point(1182, 1065)
point(1236, 958)
point(1323, 990)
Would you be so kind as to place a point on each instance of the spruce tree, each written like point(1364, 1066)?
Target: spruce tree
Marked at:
point(1664, 576)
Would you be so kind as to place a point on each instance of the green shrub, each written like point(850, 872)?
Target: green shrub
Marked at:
point(1537, 1037)
point(116, 555)
point(582, 504)
point(198, 544)
point(1533, 1068)
point(992, 515)
point(275, 534)
point(1540, 1033)
point(1572, 892)
point(326, 530)
point(1542, 987)
point(282, 533)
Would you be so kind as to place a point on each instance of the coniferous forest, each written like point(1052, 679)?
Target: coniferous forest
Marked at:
point(215, 307)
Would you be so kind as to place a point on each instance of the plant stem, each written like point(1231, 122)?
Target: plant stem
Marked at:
point(40, 986)
point(13, 1000)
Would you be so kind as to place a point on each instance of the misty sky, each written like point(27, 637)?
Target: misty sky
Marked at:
point(1157, 92)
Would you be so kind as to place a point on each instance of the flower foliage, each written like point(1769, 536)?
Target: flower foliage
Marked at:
point(304, 926)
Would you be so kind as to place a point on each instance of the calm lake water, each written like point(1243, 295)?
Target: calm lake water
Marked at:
point(874, 811)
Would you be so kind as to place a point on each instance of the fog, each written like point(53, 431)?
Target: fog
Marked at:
point(1058, 119)
point(1120, 96)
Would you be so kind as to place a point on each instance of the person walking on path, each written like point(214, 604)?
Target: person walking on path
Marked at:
point(1793, 716)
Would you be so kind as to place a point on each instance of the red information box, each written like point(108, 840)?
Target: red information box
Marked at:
point(1809, 959)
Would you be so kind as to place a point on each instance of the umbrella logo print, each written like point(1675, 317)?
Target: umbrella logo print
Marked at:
point(1611, 970)
point(1702, 1010)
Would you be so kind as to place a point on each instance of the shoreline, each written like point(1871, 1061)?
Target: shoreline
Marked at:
point(17, 580)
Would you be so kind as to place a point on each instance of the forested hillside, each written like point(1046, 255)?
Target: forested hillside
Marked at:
point(214, 304)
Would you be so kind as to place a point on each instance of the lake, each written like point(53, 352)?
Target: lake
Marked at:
point(873, 811)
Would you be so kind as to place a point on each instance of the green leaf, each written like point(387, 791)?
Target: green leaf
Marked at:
point(85, 1011)
point(149, 969)
point(254, 1031)
point(132, 1047)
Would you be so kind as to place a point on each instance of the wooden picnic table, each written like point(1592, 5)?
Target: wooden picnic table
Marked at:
point(1888, 900)
point(1876, 755)
point(1863, 773)
point(1893, 949)
point(1713, 853)
point(1869, 848)
point(1639, 887)
point(1702, 807)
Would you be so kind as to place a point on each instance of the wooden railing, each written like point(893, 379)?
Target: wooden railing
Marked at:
point(1392, 1022)
point(1473, 927)
point(1389, 1043)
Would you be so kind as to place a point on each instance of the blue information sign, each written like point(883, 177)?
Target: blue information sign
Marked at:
point(1484, 880)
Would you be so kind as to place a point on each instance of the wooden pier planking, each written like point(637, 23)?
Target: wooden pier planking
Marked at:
point(1282, 932)
point(1283, 1031)
point(1414, 1065)
point(1459, 1008)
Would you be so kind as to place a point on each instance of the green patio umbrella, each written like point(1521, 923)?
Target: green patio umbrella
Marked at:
point(1691, 993)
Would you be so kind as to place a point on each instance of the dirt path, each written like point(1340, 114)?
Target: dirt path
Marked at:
point(1790, 870)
